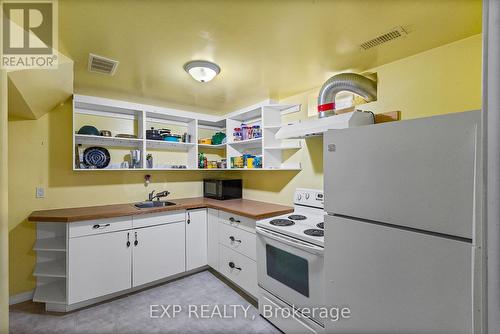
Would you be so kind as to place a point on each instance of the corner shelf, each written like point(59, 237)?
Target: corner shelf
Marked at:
point(54, 268)
point(53, 292)
point(57, 244)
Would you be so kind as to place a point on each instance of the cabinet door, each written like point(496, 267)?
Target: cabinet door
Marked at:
point(196, 238)
point(158, 253)
point(98, 265)
point(213, 238)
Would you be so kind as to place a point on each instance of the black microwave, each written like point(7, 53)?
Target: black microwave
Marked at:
point(222, 189)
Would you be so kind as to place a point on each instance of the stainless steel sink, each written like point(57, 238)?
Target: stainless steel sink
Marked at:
point(153, 204)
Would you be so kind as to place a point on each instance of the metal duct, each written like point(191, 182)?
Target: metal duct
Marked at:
point(351, 82)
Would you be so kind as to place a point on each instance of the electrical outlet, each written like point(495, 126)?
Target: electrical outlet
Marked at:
point(40, 192)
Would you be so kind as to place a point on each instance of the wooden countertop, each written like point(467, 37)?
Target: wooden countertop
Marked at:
point(244, 207)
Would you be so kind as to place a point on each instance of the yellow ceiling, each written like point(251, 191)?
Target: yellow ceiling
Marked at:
point(265, 48)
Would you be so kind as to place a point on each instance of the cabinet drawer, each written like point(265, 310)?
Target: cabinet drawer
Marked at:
point(238, 240)
point(152, 219)
point(239, 269)
point(90, 227)
point(244, 223)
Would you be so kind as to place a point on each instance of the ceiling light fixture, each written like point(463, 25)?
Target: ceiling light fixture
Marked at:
point(202, 70)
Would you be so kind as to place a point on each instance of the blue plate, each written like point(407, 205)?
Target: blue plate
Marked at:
point(97, 157)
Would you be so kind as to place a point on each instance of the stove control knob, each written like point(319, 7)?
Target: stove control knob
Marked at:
point(307, 195)
point(299, 197)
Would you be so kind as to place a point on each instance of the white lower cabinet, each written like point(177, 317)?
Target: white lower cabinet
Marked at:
point(158, 252)
point(196, 238)
point(98, 265)
point(239, 269)
point(111, 256)
point(232, 249)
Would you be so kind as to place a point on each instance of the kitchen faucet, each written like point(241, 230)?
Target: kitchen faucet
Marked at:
point(152, 196)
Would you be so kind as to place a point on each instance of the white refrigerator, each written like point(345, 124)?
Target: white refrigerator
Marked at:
point(403, 226)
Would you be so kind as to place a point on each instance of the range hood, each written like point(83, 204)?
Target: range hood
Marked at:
point(316, 127)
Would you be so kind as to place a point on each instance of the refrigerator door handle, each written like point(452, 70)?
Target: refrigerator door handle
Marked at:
point(310, 248)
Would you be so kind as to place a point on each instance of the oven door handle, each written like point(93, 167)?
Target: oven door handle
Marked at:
point(289, 241)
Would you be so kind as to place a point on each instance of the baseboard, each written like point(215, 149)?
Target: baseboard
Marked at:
point(21, 297)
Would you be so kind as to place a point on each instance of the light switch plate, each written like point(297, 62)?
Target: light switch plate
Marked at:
point(40, 192)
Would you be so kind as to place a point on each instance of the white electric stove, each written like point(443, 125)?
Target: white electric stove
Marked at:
point(306, 222)
point(290, 264)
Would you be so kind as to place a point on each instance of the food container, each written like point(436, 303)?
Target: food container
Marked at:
point(237, 162)
point(206, 141)
point(256, 131)
point(173, 138)
point(245, 132)
point(186, 138)
point(249, 163)
point(257, 162)
point(218, 137)
point(149, 161)
point(237, 135)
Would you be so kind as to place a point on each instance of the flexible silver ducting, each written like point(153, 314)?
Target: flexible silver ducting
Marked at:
point(351, 82)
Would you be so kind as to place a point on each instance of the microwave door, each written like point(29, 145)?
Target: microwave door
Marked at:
point(219, 190)
point(210, 189)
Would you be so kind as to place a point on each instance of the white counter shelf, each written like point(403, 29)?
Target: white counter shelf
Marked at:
point(168, 145)
point(91, 140)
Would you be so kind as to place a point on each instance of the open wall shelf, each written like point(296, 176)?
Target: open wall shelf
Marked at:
point(170, 156)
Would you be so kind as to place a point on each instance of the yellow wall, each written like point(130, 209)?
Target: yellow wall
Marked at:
point(4, 240)
point(442, 80)
point(439, 81)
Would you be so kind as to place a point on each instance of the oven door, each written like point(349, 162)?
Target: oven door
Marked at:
point(290, 269)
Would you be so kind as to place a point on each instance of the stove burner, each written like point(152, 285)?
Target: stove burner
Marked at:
point(281, 222)
point(297, 217)
point(314, 232)
point(321, 225)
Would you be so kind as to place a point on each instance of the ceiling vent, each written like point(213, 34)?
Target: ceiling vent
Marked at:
point(395, 33)
point(102, 65)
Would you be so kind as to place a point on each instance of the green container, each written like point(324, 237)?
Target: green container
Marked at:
point(218, 138)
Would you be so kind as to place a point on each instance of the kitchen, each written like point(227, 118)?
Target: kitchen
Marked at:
point(68, 171)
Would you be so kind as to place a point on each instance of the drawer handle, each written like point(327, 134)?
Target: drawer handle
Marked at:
point(234, 240)
point(233, 266)
point(128, 240)
point(232, 220)
point(136, 242)
point(97, 226)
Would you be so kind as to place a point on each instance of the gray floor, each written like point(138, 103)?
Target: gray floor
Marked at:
point(131, 314)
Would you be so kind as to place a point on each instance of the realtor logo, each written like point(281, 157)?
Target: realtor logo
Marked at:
point(29, 34)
